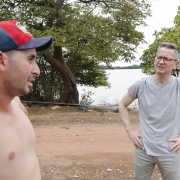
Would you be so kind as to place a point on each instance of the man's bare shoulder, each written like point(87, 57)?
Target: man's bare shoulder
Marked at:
point(17, 100)
point(22, 107)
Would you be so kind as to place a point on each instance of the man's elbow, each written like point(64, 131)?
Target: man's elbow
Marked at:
point(122, 106)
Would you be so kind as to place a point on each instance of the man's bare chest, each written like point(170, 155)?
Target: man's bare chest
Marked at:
point(17, 142)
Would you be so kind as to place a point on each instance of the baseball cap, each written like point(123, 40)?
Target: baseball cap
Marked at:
point(15, 36)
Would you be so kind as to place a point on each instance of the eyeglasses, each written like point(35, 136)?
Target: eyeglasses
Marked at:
point(166, 60)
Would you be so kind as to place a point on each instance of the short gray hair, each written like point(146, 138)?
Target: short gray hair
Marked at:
point(170, 46)
point(10, 54)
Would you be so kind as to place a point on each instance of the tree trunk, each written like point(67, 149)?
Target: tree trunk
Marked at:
point(70, 93)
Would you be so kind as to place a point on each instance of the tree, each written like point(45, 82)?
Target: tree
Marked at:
point(83, 38)
point(165, 35)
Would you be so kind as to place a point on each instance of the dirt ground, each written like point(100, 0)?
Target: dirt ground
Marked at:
point(76, 145)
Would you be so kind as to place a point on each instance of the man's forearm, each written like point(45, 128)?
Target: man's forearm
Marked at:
point(124, 117)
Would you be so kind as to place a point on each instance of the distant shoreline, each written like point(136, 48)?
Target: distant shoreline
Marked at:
point(121, 67)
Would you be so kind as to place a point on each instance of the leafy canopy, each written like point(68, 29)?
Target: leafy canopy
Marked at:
point(165, 35)
point(90, 32)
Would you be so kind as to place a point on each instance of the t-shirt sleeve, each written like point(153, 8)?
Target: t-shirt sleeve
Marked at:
point(134, 89)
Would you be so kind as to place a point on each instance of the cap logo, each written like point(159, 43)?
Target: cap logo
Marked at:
point(22, 28)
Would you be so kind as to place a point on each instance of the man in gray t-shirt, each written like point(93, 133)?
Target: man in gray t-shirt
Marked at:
point(158, 139)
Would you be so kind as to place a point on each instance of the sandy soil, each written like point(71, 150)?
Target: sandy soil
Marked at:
point(74, 144)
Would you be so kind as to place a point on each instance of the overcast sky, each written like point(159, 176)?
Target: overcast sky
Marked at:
point(163, 13)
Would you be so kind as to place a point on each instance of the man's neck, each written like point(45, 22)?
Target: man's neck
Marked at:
point(161, 79)
point(5, 103)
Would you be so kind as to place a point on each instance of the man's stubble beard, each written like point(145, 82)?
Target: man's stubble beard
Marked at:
point(15, 90)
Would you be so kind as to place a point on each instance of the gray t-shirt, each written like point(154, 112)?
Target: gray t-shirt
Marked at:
point(159, 112)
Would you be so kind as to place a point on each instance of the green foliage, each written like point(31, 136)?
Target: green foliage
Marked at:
point(165, 35)
point(88, 37)
point(86, 98)
point(79, 30)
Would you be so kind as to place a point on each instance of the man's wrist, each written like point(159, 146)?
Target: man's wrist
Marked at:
point(128, 130)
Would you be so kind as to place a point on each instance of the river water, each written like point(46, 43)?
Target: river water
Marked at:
point(120, 80)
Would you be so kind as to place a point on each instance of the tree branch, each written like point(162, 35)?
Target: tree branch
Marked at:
point(54, 14)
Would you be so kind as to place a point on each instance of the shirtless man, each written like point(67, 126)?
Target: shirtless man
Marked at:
point(18, 70)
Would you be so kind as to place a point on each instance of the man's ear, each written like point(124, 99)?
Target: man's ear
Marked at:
point(176, 64)
point(2, 62)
